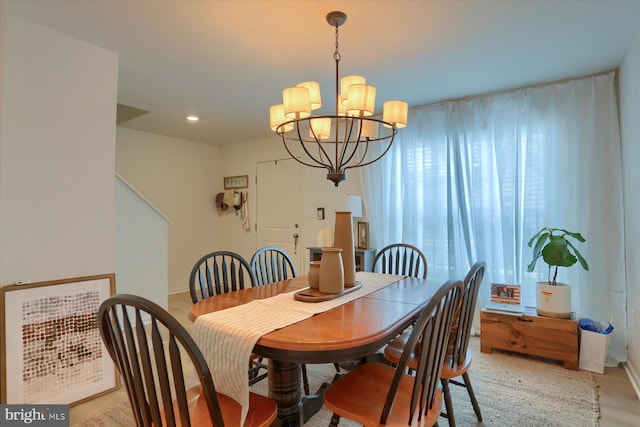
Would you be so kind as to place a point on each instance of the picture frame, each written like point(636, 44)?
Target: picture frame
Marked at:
point(51, 350)
point(363, 235)
point(505, 293)
point(240, 181)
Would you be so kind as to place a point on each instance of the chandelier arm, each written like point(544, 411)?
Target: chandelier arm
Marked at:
point(321, 149)
point(297, 159)
point(393, 135)
point(348, 130)
point(320, 154)
point(353, 153)
point(366, 150)
point(368, 141)
point(330, 166)
point(356, 144)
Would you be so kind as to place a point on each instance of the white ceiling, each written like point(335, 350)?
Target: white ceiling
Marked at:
point(228, 61)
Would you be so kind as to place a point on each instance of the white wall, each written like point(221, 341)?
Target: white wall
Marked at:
point(141, 246)
point(57, 158)
point(630, 131)
point(181, 179)
point(242, 159)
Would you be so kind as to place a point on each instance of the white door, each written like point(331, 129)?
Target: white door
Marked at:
point(279, 208)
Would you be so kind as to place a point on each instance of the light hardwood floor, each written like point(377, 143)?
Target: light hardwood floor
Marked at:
point(619, 404)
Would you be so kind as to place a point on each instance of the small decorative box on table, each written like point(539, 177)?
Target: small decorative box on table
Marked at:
point(531, 334)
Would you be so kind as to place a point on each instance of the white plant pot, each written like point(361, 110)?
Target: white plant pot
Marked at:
point(553, 301)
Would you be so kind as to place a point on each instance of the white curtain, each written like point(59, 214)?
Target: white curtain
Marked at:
point(474, 179)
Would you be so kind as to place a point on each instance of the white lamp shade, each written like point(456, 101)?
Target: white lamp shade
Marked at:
point(276, 118)
point(395, 112)
point(320, 128)
point(342, 106)
point(347, 81)
point(369, 129)
point(314, 93)
point(354, 205)
point(361, 100)
point(297, 104)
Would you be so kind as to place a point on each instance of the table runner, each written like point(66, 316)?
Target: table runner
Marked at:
point(227, 337)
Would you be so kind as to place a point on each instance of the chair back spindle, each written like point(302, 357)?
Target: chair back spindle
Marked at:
point(271, 264)
point(402, 259)
point(218, 273)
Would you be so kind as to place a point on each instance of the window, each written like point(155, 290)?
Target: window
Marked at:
point(474, 179)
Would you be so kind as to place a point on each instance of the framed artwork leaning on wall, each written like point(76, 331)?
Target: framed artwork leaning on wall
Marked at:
point(51, 351)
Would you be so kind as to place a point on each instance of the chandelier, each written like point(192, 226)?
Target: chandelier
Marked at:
point(350, 138)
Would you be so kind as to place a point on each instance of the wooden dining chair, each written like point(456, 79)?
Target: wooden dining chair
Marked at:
point(402, 259)
point(376, 393)
point(218, 273)
point(271, 264)
point(459, 356)
point(154, 354)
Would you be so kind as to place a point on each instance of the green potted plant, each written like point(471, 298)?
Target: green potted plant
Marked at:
point(553, 299)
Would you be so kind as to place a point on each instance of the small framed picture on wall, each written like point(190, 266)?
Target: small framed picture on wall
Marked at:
point(231, 182)
point(363, 235)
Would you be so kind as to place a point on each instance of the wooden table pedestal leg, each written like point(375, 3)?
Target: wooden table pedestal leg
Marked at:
point(284, 387)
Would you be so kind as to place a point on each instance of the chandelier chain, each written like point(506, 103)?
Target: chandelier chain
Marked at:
point(336, 54)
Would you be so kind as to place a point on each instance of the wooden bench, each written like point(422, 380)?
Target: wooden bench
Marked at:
point(531, 334)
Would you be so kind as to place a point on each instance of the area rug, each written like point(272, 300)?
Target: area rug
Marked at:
point(512, 390)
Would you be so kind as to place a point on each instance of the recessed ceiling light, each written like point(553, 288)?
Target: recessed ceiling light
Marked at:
point(193, 118)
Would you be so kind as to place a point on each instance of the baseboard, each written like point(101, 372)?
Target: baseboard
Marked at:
point(178, 292)
point(632, 373)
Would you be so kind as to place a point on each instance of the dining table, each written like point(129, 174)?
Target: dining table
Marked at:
point(348, 330)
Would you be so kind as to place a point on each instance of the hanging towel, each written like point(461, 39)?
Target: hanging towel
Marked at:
point(228, 197)
point(237, 200)
point(219, 201)
point(246, 225)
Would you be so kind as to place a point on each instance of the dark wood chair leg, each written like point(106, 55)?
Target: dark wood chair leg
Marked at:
point(305, 380)
point(447, 402)
point(335, 419)
point(472, 396)
point(255, 374)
